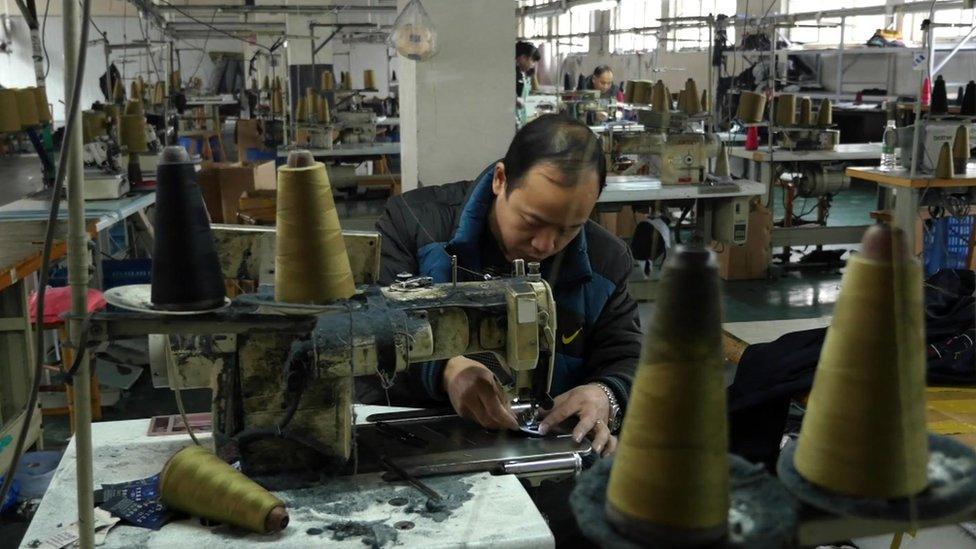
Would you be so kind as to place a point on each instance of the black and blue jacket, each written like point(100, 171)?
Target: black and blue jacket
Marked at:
point(598, 331)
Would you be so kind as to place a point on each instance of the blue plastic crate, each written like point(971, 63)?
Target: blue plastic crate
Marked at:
point(946, 243)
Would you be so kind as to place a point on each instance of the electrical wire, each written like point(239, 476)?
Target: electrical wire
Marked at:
point(47, 59)
point(74, 116)
point(213, 28)
point(203, 50)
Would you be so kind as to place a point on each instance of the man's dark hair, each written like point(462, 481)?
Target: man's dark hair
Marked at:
point(562, 142)
point(537, 55)
point(600, 69)
point(526, 49)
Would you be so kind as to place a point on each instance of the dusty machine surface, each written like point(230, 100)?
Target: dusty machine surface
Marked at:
point(282, 374)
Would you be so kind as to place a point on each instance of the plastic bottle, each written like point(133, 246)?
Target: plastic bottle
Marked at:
point(889, 149)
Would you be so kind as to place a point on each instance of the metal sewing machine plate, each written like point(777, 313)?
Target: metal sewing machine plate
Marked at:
point(447, 444)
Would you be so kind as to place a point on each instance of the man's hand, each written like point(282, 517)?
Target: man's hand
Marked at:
point(476, 395)
point(591, 405)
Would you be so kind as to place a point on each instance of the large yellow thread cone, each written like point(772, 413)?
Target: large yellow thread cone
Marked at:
point(945, 169)
point(197, 482)
point(9, 112)
point(806, 111)
point(328, 81)
point(671, 470)
point(786, 110)
point(369, 79)
point(659, 97)
point(864, 431)
point(751, 107)
point(692, 103)
point(43, 110)
point(27, 108)
point(132, 133)
point(311, 264)
point(825, 116)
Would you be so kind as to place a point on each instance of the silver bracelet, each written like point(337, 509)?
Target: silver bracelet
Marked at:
point(614, 421)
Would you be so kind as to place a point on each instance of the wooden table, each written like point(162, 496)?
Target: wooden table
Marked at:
point(904, 194)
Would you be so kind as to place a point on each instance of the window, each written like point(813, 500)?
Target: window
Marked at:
point(634, 14)
point(911, 27)
point(857, 30)
point(535, 27)
point(696, 36)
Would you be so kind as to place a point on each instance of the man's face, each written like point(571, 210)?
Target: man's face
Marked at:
point(524, 63)
point(603, 82)
point(541, 216)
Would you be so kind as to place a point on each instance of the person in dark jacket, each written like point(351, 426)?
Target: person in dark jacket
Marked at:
point(602, 81)
point(534, 205)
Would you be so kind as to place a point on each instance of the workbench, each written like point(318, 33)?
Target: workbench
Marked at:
point(641, 190)
point(904, 195)
point(761, 164)
point(340, 151)
point(484, 510)
point(737, 336)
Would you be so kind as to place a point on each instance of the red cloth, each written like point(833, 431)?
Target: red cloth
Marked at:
point(57, 302)
point(752, 138)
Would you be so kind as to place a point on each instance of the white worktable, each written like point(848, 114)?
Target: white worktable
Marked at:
point(105, 212)
point(499, 512)
point(638, 189)
point(366, 149)
point(844, 151)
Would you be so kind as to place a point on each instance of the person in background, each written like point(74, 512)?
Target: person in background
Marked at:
point(526, 56)
point(602, 80)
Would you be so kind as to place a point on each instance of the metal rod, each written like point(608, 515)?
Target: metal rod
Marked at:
point(78, 275)
point(840, 59)
point(283, 8)
point(953, 51)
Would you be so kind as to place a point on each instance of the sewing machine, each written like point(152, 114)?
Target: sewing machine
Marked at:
point(933, 134)
point(808, 139)
point(282, 374)
point(358, 126)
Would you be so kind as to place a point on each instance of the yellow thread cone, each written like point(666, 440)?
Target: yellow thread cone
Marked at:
point(722, 163)
point(682, 100)
point(346, 80)
point(643, 92)
point(323, 112)
point(864, 431)
point(27, 108)
point(311, 264)
point(825, 116)
point(659, 97)
point(786, 110)
point(692, 104)
point(132, 133)
point(944, 169)
point(705, 103)
point(806, 112)
point(277, 101)
point(175, 82)
point(93, 125)
point(960, 149)
point(43, 111)
point(671, 472)
point(301, 110)
point(629, 87)
point(197, 482)
point(751, 107)
point(9, 112)
point(328, 81)
point(369, 79)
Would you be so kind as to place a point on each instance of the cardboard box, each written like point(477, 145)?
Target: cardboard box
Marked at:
point(250, 135)
point(223, 185)
point(751, 260)
point(257, 208)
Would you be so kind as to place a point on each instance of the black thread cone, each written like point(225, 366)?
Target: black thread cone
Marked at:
point(940, 101)
point(186, 273)
point(567, 82)
point(969, 99)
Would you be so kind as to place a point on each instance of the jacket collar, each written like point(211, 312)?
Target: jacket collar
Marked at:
point(570, 265)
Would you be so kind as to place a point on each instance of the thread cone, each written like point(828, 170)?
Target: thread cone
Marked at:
point(786, 110)
point(40, 97)
point(705, 103)
point(825, 116)
point(27, 108)
point(628, 91)
point(940, 99)
point(969, 100)
point(659, 97)
point(806, 112)
point(683, 101)
point(184, 248)
point(670, 477)
point(944, 169)
point(692, 104)
point(751, 107)
point(369, 79)
point(722, 163)
point(312, 265)
point(197, 482)
point(864, 431)
point(328, 81)
point(960, 149)
point(9, 112)
point(301, 110)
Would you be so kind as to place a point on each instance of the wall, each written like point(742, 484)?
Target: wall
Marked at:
point(457, 109)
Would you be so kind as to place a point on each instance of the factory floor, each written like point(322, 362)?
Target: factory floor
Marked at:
point(790, 294)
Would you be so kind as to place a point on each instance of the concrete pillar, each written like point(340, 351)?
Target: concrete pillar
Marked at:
point(457, 109)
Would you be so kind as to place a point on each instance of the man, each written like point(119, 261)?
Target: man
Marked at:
point(526, 56)
point(601, 80)
point(533, 205)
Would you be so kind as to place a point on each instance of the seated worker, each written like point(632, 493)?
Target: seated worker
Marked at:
point(602, 80)
point(534, 205)
point(526, 56)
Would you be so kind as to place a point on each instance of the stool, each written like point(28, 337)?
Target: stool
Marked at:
point(57, 303)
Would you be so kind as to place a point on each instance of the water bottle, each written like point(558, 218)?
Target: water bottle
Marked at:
point(889, 144)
